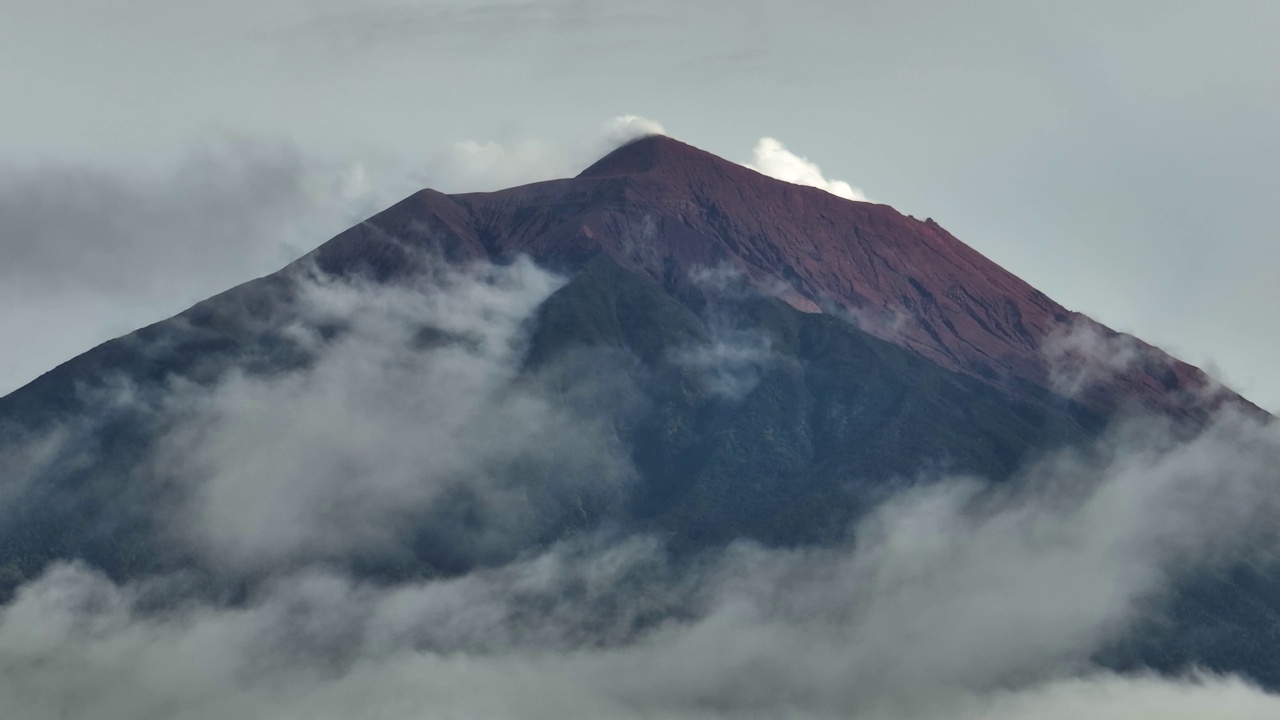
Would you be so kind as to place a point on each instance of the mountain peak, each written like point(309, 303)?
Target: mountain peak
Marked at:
point(651, 154)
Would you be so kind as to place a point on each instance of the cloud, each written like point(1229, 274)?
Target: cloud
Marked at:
point(1104, 697)
point(76, 645)
point(25, 455)
point(225, 212)
point(472, 165)
point(886, 321)
point(475, 165)
point(771, 158)
point(955, 599)
point(625, 128)
point(406, 425)
point(94, 253)
point(91, 254)
point(730, 363)
point(1084, 355)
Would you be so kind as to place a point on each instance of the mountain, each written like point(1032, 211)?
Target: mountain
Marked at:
point(750, 360)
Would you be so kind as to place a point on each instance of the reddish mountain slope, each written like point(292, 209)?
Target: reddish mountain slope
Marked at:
point(668, 210)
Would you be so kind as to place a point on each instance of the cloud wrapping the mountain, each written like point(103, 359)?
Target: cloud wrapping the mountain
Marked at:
point(772, 158)
point(25, 455)
point(953, 599)
point(408, 417)
point(1082, 356)
point(729, 366)
point(230, 208)
point(474, 165)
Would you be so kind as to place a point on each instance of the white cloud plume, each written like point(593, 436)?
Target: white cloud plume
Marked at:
point(771, 158)
point(625, 128)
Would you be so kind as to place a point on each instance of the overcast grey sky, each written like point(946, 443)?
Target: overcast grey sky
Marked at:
point(1119, 155)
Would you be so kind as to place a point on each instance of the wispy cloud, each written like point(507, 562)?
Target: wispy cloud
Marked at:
point(1084, 355)
point(952, 601)
point(730, 363)
point(92, 254)
point(409, 426)
point(408, 418)
point(625, 128)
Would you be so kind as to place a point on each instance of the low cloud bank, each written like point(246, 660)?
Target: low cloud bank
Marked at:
point(474, 165)
point(953, 599)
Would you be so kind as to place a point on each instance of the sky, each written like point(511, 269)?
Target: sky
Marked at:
point(1118, 155)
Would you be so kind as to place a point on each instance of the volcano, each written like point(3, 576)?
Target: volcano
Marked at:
point(788, 360)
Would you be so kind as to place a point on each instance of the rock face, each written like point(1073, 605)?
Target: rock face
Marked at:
point(679, 216)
